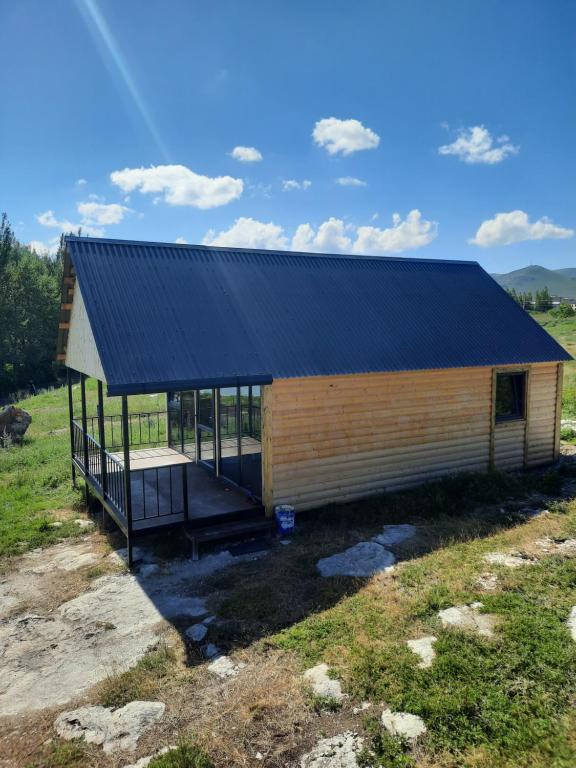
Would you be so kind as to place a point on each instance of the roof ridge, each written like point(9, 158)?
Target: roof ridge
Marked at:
point(275, 252)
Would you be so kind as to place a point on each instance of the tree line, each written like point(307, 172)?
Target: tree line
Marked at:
point(30, 286)
point(540, 301)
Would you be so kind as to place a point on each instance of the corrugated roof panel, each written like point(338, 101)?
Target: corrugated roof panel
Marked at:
point(175, 316)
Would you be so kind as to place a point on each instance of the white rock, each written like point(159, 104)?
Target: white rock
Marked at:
point(82, 523)
point(196, 632)
point(468, 617)
point(56, 524)
point(322, 684)
point(403, 724)
point(223, 667)
point(145, 761)
point(487, 581)
point(395, 534)
point(572, 623)
point(509, 561)
point(423, 647)
point(336, 752)
point(567, 546)
point(362, 708)
point(363, 559)
point(113, 730)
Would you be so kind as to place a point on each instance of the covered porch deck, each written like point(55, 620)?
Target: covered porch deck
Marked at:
point(196, 463)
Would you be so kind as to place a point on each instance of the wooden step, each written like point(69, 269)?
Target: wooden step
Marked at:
point(229, 530)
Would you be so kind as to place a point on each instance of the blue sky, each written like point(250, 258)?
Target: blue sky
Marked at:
point(450, 121)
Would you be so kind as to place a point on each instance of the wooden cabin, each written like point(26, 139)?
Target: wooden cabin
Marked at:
point(293, 378)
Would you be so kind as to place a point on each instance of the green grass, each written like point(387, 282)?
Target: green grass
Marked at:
point(564, 331)
point(35, 477)
point(140, 683)
point(506, 701)
point(187, 755)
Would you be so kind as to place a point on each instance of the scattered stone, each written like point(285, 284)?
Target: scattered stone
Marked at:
point(403, 724)
point(423, 647)
point(362, 708)
point(363, 559)
point(336, 752)
point(487, 581)
point(508, 561)
point(468, 617)
point(56, 524)
point(82, 523)
point(556, 546)
point(223, 667)
point(322, 685)
point(395, 534)
point(209, 651)
point(196, 632)
point(112, 729)
point(145, 761)
point(572, 623)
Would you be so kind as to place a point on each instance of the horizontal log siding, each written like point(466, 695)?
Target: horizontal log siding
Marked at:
point(542, 414)
point(343, 437)
point(340, 438)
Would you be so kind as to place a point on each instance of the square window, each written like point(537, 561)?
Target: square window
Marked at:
point(510, 396)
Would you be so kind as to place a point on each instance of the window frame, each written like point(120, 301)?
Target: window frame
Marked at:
point(525, 373)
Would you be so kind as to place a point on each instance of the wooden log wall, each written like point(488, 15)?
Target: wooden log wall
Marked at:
point(339, 438)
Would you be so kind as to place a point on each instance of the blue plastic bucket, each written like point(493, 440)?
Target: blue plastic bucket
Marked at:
point(284, 514)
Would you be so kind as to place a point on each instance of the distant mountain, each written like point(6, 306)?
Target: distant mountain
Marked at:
point(560, 282)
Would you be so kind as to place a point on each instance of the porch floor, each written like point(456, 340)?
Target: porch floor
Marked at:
point(157, 492)
point(149, 458)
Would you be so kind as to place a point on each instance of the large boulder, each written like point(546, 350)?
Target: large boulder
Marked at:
point(13, 423)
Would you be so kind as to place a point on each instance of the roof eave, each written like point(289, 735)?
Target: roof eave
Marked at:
point(149, 388)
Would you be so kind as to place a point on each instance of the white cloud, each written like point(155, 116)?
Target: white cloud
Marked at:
point(515, 227)
point(179, 185)
point(44, 249)
point(404, 235)
point(181, 241)
point(476, 145)
point(102, 213)
point(246, 154)
point(48, 219)
point(350, 181)
point(344, 136)
point(249, 233)
point(81, 182)
point(332, 236)
point(288, 185)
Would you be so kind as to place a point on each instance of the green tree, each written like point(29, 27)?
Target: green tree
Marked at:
point(29, 309)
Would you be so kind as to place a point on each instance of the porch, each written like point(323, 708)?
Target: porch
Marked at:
point(196, 463)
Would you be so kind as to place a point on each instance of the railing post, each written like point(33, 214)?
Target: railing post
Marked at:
point(85, 438)
point(71, 423)
point(250, 415)
point(184, 488)
point(217, 446)
point(127, 488)
point(102, 441)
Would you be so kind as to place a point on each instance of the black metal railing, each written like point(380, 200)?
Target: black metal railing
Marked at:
point(148, 428)
point(159, 492)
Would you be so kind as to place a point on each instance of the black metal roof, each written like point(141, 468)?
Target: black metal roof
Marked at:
point(167, 316)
